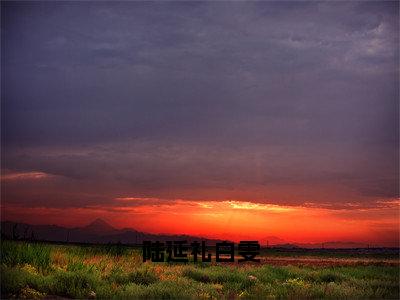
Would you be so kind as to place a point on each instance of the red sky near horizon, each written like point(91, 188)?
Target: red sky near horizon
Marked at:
point(226, 219)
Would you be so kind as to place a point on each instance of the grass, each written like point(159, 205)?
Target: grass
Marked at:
point(32, 270)
point(25, 253)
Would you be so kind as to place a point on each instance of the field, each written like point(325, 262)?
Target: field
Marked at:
point(37, 270)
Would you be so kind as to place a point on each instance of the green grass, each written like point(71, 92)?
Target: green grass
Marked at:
point(25, 253)
point(30, 270)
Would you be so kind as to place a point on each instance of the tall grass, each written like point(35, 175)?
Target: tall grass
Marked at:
point(30, 270)
point(14, 253)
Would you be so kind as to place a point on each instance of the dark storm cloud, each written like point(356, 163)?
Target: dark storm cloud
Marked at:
point(230, 99)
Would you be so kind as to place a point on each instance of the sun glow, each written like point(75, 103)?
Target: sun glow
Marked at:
point(257, 206)
point(231, 219)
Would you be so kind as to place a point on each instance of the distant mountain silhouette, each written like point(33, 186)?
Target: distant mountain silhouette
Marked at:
point(272, 240)
point(100, 226)
point(287, 246)
point(98, 232)
point(335, 245)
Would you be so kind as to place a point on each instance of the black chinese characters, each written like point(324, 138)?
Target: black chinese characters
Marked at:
point(181, 251)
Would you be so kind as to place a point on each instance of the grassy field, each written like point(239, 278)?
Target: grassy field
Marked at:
point(36, 270)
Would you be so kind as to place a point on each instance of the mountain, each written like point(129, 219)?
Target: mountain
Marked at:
point(334, 245)
point(271, 240)
point(99, 226)
point(286, 246)
point(100, 232)
point(97, 232)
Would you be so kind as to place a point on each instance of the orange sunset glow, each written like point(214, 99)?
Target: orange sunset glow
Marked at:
point(236, 220)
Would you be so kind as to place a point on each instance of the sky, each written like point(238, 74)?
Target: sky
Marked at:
point(222, 119)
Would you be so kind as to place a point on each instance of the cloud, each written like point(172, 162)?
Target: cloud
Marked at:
point(24, 175)
point(147, 170)
point(279, 103)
